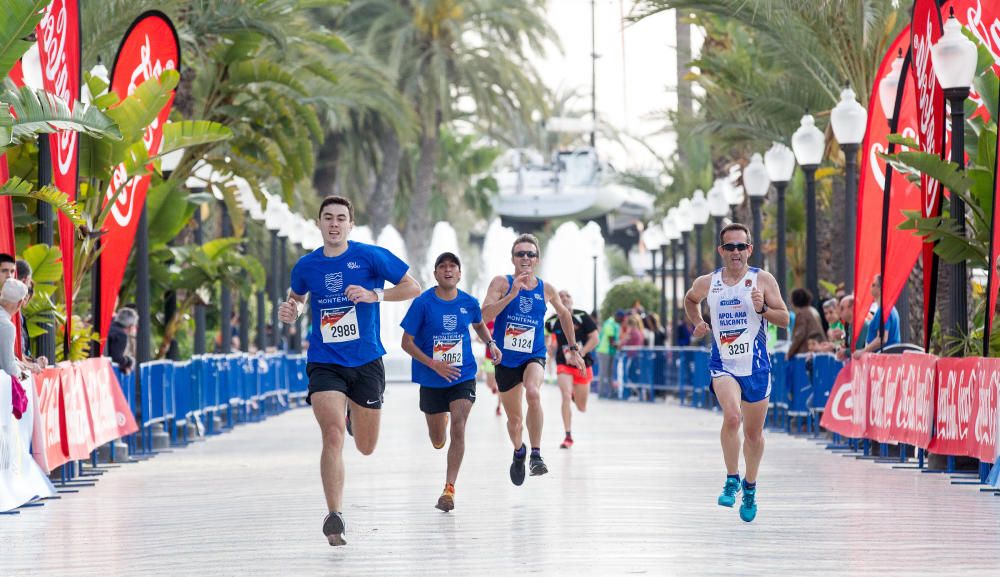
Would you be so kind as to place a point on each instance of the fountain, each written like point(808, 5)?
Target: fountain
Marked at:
point(444, 239)
point(568, 263)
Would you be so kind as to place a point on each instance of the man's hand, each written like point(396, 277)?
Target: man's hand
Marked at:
point(446, 371)
point(520, 282)
point(357, 294)
point(700, 330)
point(288, 311)
point(757, 298)
point(574, 358)
point(496, 355)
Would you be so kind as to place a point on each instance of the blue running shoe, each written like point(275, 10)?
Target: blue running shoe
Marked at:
point(748, 510)
point(728, 496)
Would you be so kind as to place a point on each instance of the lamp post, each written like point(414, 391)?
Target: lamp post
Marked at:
point(808, 143)
point(780, 164)
point(673, 234)
point(756, 181)
point(954, 57)
point(168, 164)
point(682, 218)
point(272, 220)
point(653, 238)
point(849, 120)
point(734, 192)
point(699, 216)
point(718, 208)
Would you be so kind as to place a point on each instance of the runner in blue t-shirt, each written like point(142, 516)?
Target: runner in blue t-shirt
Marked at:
point(345, 281)
point(437, 337)
point(517, 302)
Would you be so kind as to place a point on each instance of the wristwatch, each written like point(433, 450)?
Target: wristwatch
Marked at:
point(573, 348)
point(379, 294)
point(762, 310)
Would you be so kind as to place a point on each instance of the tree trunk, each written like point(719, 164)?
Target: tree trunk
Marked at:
point(325, 175)
point(418, 226)
point(383, 200)
point(685, 104)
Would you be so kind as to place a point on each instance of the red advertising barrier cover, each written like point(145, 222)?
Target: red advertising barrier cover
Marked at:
point(46, 442)
point(77, 430)
point(110, 415)
point(957, 379)
point(982, 441)
point(913, 378)
point(838, 416)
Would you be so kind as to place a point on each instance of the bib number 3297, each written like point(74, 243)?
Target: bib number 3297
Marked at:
point(339, 325)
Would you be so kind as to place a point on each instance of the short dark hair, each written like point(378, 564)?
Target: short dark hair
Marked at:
point(23, 269)
point(4, 257)
point(525, 237)
point(801, 298)
point(447, 257)
point(334, 199)
point(736, 226)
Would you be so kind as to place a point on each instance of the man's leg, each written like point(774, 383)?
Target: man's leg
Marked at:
point(580, 393)
point(437, 425)
point(512, 406)
point(456, 452)
point(565, 381)
point(754, 415)
point(328, 408)
point(533, 374)
point(728, 393)
point(365, 426)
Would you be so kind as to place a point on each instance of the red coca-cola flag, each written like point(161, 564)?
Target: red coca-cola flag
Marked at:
point(59, 50)
point(871, 192)
point(927, 29)
point(993, 278)
point(150, 47)
point(7, 243)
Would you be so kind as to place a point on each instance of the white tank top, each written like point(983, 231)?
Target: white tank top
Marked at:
point(739, 344)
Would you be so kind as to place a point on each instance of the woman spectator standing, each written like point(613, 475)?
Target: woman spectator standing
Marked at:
point(12, 296)
point(808, 331)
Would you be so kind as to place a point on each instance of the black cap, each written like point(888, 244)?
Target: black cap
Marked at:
point(447, 257)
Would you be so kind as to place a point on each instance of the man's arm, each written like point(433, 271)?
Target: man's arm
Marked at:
point(484, 333)
point(290, 310)
point(498, 297)
point(777, 312)
point(591, 344)
point(573, 355)
point(692, 305)
point(406, 289)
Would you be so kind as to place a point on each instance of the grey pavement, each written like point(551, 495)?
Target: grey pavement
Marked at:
point(635, 496)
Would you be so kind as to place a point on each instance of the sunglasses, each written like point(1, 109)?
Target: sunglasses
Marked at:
point(733, 246)
point(525, 253)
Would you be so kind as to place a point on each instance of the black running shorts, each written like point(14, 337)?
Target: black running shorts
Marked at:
point(510, 377)
point(435, 400)
point(364, 384)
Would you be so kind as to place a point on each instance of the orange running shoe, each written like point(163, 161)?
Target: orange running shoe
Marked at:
point(446, 502)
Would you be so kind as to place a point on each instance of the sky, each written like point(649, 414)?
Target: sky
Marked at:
point(636, 73)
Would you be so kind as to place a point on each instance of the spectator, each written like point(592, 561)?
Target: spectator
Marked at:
point(11, 298)
point(24, 275)
point(632, 335)
point(873, 340)
point(808, 331)
point(8, 267)
point(122, 326)
point(835, 334)
point(656, 336)
point(606, 349)
point(847, 318)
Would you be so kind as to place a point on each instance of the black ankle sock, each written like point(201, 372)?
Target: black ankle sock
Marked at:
point(536, 452)
point(736, 476)
point(569, 435)
point(520, 452)
point(750, 486)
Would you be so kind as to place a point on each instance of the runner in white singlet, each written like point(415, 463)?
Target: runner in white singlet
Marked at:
point(741, 300)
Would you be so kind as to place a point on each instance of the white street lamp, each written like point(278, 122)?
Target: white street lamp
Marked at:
point(889, 85)
point(780, 164)
point(808, 144)
point(756, 182)
point(849, 120)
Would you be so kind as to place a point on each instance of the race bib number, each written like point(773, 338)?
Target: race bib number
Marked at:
point(520, 338)
point(339, 325)
point(735, 343)
point(449, 350)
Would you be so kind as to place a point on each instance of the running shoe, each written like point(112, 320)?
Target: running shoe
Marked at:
point(748, 510)
point(333, 528)
point(537, 466)
point(517, 467)
point(446, 502)
point(348, 420)
point(567, 443)
point(728, 496)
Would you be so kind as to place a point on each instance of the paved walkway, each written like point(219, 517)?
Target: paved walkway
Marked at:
point(635, 496)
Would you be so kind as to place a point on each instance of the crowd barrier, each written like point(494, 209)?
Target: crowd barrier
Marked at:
point(77, 407)
point(945, 406)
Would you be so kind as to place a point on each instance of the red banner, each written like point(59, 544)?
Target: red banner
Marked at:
point(913, 378)
point(839, 413)
point(110, 415)
point(47, 441)
point(983, 440)
point(957, 379)
point(6, 207)
point(871, 201)
point(994, 261)
point(59, 50)
point(149, 48)
point(927, 30)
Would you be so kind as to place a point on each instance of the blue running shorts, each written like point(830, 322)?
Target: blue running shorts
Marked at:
point(753, 388)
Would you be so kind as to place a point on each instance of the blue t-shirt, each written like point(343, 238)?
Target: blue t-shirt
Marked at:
point(440, 329)
point(891, 328)
point(344, 333)
point(519, 328)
